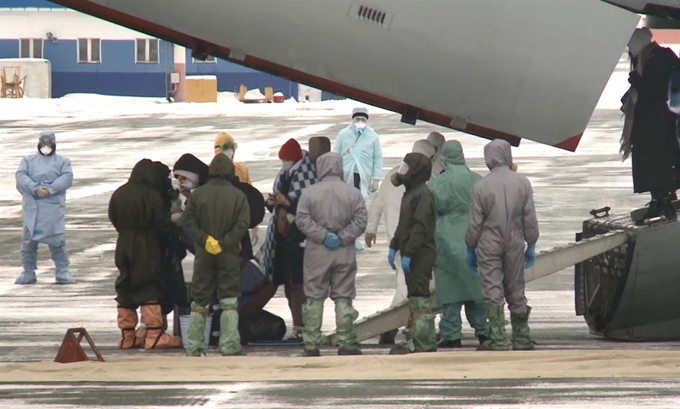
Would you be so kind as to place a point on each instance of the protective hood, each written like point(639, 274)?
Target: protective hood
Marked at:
point(224, 141)
point(329, 164)
point(144, 172)
point(221, 167)
point(497, 153)
point(190, 163)
point(419, 171)
point(436, 139)
point(48, 134)
point(452, 153)
point(425, 147)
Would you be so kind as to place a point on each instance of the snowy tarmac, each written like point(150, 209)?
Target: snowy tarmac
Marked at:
point(104, 137)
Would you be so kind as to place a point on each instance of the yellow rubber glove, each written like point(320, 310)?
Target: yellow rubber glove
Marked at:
point(212, 246)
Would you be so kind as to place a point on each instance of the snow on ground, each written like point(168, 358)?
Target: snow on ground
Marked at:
point(81, 107)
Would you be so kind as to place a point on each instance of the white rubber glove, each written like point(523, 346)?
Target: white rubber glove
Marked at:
point(254, 235)
point(375, 185)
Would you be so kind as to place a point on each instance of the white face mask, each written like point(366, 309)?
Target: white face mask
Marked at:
point(229, 153)
point(403, 169)
point(188, 184)
point(45, 150)
point(287, 165)
point(360, 124)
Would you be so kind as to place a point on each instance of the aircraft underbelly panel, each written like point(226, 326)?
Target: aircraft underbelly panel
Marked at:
point(528, 68)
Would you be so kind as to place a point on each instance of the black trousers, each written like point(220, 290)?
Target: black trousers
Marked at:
point(357, 181)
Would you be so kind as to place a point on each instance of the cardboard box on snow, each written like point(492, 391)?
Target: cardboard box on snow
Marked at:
point(201, 88)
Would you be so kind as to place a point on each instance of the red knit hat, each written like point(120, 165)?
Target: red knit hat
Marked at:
point(291, 151)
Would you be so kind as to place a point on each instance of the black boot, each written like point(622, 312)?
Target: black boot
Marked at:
point(387, 338)
point(668, 210)
point(450, 344)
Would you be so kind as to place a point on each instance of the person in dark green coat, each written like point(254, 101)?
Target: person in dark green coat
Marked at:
point(217, 217)
point(414, 240)
point(139, 213)
point(455, 285)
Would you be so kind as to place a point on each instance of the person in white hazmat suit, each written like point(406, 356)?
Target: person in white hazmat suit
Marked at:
point(362, 156)
point(332, 215)
point(437, 139)
point(42, 179)
point(386, 204)
point(501, 219)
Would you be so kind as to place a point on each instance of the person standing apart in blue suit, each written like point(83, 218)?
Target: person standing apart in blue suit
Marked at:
point(359, 146)
point(42, 179)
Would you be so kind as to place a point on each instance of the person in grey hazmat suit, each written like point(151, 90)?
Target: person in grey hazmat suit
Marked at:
point(502, 218)
point(332, 214)
point(42, 179)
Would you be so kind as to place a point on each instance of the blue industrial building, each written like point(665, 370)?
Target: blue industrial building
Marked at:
point(89, 55)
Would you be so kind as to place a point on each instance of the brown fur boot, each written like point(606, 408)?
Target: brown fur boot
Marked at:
point(156, 338)
point(127, 320)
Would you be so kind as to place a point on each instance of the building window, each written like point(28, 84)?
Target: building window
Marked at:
point(210, 60)
point(147, 50)
point(30, 48)
point(89, 50)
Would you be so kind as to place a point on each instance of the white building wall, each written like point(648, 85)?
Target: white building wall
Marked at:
point(62, 23)
point(308, 94)
point(36, 73)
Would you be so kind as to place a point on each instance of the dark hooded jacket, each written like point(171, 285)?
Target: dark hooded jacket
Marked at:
point(218, 209)
point(414, 236)
point(189, 162)
point(141, 216)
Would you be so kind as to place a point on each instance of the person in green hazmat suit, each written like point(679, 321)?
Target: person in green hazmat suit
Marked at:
point(455, 285)
point(414, 240)
point(217, 217)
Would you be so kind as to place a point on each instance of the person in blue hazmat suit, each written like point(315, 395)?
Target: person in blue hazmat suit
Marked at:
point(42, 179)
point(455, 286)
point(359, 146)
point(502, 218)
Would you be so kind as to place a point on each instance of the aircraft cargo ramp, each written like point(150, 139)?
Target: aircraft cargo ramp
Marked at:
point(547, 263)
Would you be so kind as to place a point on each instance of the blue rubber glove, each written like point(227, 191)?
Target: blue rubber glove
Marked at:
point(471, 259)
point(530, 255)
point(390, 258)
point(406, 264)
point(332, 241)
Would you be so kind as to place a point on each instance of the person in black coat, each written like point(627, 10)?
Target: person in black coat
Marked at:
point(653, 136)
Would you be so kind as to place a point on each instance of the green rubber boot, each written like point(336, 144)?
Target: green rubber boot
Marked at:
point(345, 315)
point(521, 340)
point(312, 317)
point(196, 330)
point(230, 339)
point(498, 340)
point(423, 335)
